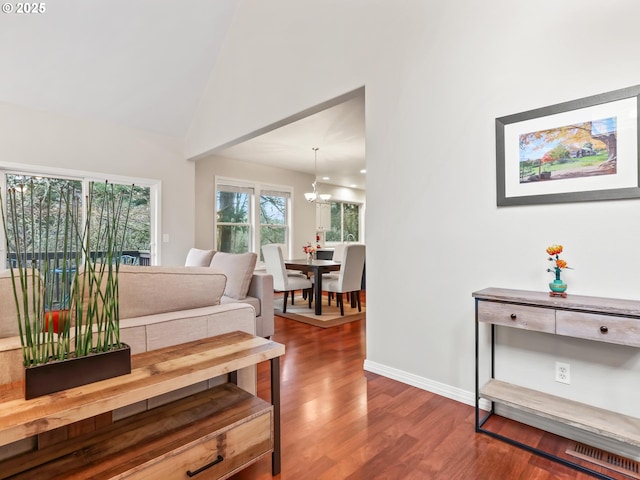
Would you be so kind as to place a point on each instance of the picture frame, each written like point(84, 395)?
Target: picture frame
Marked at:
point(581, 150)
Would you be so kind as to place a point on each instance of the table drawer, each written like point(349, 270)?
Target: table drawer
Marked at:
point(517, 316)
point(215, 456)
point(603, 328)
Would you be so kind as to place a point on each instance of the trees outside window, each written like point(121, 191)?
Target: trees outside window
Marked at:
point(273, 218)
point(345, 222)
point(250, 215)
point(41, 199)
point(232, 222)
point(139, 236)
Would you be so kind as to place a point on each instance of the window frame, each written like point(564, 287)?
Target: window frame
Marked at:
point(254, 208)
point(235, 187)
point(274, 192)
point(342, 203)
point(85, 177)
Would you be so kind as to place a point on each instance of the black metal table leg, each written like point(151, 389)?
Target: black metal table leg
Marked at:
point(318, 292)
point(276, 458)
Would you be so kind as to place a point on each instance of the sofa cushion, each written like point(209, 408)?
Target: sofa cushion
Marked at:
point(199, 258)
point(151, 290)
point(238, 267)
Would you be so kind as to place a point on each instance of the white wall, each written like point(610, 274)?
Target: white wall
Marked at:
point(35, 138)
point(437, 74)
point(343, 194)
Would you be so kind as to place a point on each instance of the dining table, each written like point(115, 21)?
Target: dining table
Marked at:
point(317, 267)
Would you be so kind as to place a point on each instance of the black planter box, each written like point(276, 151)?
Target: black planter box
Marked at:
point(75, 371)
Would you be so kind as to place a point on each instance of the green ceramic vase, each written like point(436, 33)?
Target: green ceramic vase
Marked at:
point(558, 285)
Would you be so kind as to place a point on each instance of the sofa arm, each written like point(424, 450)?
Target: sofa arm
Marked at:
point(261, 287)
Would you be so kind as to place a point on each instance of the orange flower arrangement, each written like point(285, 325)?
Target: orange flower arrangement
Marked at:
point(309, 248)
point(554, 251)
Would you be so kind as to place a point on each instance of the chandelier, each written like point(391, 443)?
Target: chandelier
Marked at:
point(314, 196)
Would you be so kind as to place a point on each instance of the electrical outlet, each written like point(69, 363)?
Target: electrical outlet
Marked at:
point(563, 373)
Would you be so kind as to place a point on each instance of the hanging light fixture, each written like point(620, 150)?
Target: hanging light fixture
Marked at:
point(314, 196)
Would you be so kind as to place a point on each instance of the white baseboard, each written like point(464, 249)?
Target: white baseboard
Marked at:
point(468, 398)
point(438, 388)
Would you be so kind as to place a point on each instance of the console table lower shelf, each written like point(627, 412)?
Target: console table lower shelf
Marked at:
point(218, 431)
point(576, 414)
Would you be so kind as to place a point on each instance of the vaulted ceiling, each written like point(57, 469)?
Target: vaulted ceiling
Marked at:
point(145, 65)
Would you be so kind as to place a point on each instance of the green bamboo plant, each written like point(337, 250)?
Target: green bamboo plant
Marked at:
point(40, 227)
point(104, 235)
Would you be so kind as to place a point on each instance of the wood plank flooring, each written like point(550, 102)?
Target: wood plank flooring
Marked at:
point(339, 422)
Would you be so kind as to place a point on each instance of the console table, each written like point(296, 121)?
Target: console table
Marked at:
point(220, 430)
point(592, 318)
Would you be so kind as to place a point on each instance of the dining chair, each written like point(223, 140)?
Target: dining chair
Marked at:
point(349, 278)
point(338, 253)
point(291, 273)
point(285, 254)
point(282, 282)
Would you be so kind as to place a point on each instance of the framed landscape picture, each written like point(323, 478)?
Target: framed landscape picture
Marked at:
point(582, 150)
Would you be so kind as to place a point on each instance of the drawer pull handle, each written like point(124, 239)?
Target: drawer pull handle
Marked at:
point(513, 316)
point(604, 329)
point(202, 469)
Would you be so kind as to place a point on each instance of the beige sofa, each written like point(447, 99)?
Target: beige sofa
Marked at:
point(159, 306)
point(243, 283)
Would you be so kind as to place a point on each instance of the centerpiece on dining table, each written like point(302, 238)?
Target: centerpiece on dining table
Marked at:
point(310, 250)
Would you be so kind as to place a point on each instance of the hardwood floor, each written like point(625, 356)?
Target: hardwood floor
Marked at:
point(339, 422)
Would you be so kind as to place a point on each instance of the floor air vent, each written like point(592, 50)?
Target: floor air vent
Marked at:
point(605, 459)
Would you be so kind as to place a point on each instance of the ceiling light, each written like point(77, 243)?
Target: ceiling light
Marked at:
point(364, 170)
point(313, 196)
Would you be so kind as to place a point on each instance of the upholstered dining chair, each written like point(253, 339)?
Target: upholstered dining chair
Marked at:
point(285, 254)
point(350, 277)
point(338, 252)
point(274, 263)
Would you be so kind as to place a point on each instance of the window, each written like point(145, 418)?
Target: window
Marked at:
point(45, 210)
point(250, 215)
point(141, 226)
point(138, 235)
point(345, 222)
point(233, 221)
point(273, 217)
